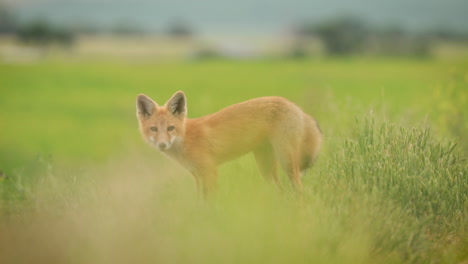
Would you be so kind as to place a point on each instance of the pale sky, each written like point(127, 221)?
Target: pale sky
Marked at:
point(250, 16)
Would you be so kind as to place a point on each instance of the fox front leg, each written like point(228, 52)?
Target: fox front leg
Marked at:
point(206, 182)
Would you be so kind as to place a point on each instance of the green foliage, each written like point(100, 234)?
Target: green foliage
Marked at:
point(425, 177)
point(406, 171)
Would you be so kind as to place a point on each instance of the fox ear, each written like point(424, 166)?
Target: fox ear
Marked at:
point(145, 106)
point(177, 105)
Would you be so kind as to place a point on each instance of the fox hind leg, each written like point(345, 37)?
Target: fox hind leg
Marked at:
point(267, 163)
point(290, 162)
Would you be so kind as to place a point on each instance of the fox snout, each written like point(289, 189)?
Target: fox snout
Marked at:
point(164, 146)
point(160, 145)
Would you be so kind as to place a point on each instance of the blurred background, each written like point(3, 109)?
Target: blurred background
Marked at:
point(156, 30)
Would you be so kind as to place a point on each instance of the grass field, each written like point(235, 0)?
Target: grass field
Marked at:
point(391, 185)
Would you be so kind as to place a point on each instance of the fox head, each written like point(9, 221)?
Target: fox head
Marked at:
point(162, 126)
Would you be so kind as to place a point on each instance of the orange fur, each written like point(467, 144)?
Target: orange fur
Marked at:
point(276, 130)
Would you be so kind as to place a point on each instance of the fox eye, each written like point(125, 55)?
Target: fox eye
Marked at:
point(170, 128)
point(154, 129)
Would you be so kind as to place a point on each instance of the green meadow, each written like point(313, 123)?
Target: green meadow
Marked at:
point(81, 186)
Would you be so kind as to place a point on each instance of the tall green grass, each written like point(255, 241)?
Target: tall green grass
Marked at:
point(385, 194)
point(424, 179)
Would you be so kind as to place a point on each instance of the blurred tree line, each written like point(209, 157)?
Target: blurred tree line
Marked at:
point(7, 20)
point(35, 32)
point(348, 35)
point(340, 36)
point(42, 32)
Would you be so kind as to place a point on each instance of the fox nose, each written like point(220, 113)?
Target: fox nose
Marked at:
point(162, 146)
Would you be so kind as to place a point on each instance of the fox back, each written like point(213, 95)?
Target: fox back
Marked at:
point(276, 130)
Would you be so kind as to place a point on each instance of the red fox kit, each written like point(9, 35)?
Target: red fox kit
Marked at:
point(276, 130)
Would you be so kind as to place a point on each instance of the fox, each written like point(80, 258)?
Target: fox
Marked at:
point(275, 129)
